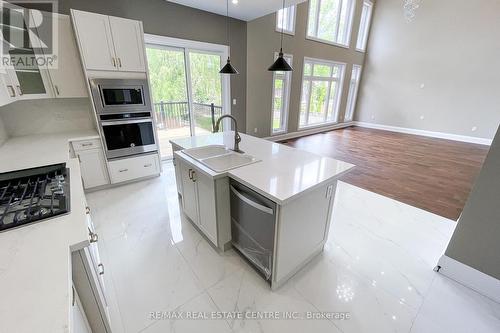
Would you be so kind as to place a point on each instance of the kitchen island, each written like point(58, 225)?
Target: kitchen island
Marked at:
point(275, 210)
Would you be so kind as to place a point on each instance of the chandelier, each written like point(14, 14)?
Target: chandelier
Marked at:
point(410, 9)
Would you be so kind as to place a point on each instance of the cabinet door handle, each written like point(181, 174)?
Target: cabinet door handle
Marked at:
point(87, 210)
point(114, 61)
point(19, 90)
point(79, 160)
point(87, 144)
point(193, 176)
point(119, 62)
point(101, 266)
point(189, 173)
point(57, 90)
point(12, 91)
point(123, 170)
point(73, 296)
point(148, 165)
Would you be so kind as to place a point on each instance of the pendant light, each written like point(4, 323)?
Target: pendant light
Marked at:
point(228, 68)
point(280, 65)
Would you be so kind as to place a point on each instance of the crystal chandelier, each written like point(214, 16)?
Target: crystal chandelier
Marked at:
point(410, 9)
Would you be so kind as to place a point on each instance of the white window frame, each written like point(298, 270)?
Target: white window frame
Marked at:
point(310, 78)
point(350, 16)
point(364, 26)
point(287, 84)
point(353, 93)
point(291, 20)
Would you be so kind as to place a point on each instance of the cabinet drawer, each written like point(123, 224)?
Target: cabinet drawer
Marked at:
point(86, 144)
point(134, 168)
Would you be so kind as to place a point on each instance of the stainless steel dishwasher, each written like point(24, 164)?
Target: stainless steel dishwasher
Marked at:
point(253, 219)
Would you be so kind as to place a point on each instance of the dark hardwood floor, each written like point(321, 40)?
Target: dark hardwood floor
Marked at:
point(432, 174)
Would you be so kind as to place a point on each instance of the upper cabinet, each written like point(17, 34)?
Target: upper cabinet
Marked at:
point(66, 73)
point(25, 76)
point(109, 43)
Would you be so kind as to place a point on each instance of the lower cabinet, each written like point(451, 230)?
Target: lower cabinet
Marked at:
point(199, 201)
point(79, 322)
point(88, 280)
point(92, 162)
point(134, 168)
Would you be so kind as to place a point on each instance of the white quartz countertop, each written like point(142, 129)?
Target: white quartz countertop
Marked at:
point(35, 260)
point(283, 173)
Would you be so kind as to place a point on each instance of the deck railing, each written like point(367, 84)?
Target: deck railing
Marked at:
point(171, 115)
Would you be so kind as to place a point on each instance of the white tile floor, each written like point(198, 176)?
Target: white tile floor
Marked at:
point(377, 266)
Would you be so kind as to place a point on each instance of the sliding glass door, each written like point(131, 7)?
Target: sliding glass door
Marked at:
point(184, 83)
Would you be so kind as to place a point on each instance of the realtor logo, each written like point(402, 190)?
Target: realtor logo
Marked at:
point(28, 33)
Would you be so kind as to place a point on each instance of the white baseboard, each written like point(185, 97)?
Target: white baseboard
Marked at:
point(470, 277)
point(309, 131)
point(440, 135)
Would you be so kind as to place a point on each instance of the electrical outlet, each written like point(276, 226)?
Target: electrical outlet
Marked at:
point(422, 117)
point(255, 130)
point(474, 128)
point(234, 101)
point(422, 86)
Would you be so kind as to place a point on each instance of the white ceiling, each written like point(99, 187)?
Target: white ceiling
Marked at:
point(245, 10)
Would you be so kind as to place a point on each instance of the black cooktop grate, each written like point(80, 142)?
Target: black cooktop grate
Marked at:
point(32, 195)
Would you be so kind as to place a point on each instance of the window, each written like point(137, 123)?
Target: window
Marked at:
point(286, 18)
point(330, 21)
point(321, 91)
point(353, 92)
point(281, 97)
point(364, 26)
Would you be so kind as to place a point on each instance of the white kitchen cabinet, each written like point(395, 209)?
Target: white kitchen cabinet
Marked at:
point(198, 200)
point(109, 43)
point(92, 162)
point(26, 73)
point(131, 168)
point(66, 74)
point(129, 44)
point(190, 195)
point(79, 322)
point(96, 42)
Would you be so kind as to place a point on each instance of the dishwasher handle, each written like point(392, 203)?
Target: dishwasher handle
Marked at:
point(254, 204)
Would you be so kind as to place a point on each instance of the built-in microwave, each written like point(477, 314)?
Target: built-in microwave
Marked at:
point(120, 95)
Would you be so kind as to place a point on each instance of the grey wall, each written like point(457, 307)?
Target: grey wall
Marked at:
point(263, 41)
point(475, 241)
point(165, 18)
point(452, 49)
point(46, 116)
point(3, 132)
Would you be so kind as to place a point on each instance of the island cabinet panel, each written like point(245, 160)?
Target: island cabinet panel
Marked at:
point(189, 197)
point(206, 198)
point(302, 231)
point(199, 200)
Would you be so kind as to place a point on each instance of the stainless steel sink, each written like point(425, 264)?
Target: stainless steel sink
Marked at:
point(219, 158)
point(229, 161)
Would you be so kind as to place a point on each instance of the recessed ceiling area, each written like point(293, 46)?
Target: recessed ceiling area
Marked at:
point(245, 10)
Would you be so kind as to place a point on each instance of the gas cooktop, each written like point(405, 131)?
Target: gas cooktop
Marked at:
point(33, 195)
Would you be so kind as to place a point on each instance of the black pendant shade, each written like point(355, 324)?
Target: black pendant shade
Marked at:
point(228, 68)
point(280, 65)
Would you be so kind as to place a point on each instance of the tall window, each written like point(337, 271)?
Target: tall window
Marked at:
point(321, 91)
point(353, 92)
point(364, 25)
point(286, 18)
point(330, 21)
point(281, 98)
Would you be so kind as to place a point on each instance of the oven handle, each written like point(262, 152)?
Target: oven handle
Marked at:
point(121, 122)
